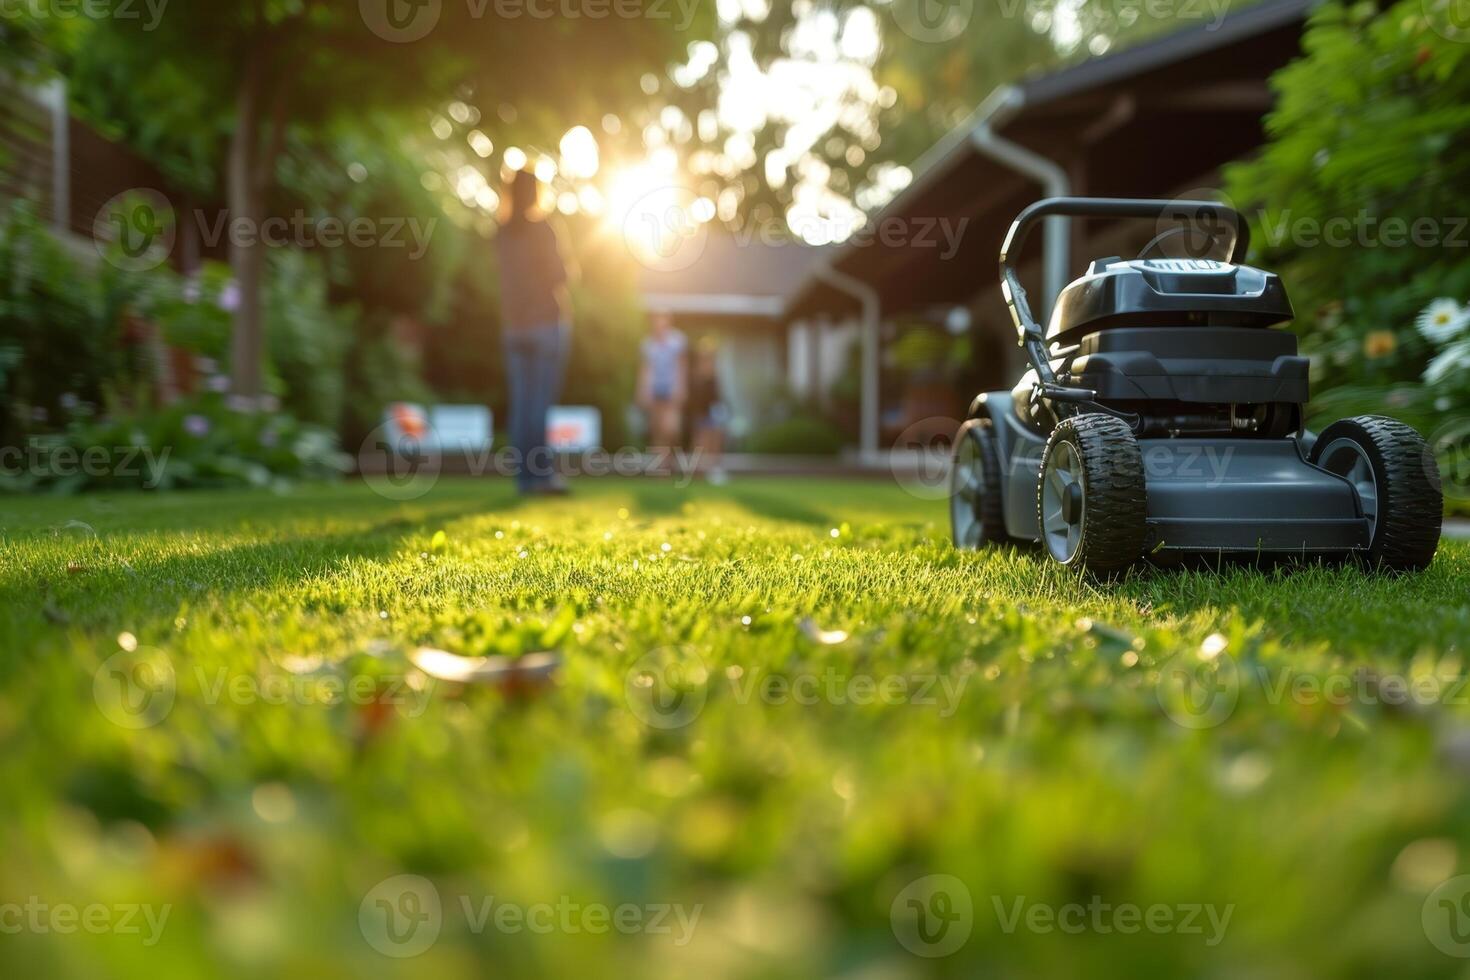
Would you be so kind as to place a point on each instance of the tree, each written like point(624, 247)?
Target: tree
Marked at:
point(211, 91)
point(923, 78)
point(1358, 208)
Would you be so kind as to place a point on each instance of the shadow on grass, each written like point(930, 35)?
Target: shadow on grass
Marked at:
point(785, 507)
point(1342, 604)
point(98, 583)
point(655, 498)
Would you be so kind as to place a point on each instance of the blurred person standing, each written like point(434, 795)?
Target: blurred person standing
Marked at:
point(536, 326)
point(708, 414)
point(663, 384)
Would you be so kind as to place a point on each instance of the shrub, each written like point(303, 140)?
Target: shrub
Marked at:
point(801, 435)
point(196, 443)
point(1387, 169)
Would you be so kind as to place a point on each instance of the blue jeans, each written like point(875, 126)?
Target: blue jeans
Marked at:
point(535, 359)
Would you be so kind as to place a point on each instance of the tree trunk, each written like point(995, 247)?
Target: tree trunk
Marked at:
point(247, 254)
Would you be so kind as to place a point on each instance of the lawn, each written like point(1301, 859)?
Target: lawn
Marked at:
point(778, 709)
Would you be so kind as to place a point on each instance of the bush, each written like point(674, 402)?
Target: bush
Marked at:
point(307, 339)
point(1389, 168)
point(802, 435)
point(196, 443)
point(62, 343)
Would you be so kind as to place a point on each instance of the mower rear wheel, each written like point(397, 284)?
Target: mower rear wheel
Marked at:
point(1392, 470)
point(976, 513)
point(1092, 504)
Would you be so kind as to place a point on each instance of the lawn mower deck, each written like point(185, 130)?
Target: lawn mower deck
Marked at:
point(1162, 417)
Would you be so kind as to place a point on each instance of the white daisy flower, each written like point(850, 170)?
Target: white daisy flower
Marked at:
point(1453, 360)
point(1443, 320)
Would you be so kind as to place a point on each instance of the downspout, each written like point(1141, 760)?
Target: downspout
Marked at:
point(55, 97)
point(867, 296)
point(994, 112)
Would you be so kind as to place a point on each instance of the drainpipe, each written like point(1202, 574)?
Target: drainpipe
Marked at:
point(872, 310)
point(996, 111)
point(55, 99)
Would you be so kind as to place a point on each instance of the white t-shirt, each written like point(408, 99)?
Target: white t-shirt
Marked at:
point(662, 357)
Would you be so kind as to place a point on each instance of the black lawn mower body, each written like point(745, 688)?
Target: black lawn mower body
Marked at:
point(1162, 417)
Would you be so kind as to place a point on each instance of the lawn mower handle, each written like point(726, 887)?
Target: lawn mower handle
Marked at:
point(1032, 336)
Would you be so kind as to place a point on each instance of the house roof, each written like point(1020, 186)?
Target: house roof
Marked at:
point(729, 275)
point(1142, 122)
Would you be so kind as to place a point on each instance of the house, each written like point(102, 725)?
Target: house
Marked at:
point(1155, 120)
point(732, 290)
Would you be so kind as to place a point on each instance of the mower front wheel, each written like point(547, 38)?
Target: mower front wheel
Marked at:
point(1092, 503)
point(976, 514)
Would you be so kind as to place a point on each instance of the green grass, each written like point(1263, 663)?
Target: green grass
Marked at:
point(988, 717)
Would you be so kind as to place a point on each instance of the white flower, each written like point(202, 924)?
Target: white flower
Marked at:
point(229, 297)
point(1453, 360)
point(1443, 320)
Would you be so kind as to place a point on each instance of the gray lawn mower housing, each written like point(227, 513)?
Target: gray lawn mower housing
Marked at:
point(1162, 417)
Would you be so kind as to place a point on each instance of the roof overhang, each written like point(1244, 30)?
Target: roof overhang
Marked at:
point(1143, 122)
point(715, 305)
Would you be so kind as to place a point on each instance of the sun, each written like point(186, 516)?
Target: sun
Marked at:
point(654, 210)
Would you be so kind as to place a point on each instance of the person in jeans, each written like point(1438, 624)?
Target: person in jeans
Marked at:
point(536, 329)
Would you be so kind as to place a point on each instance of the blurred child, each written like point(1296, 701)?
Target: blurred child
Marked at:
point(708, 414)
point(663, 384)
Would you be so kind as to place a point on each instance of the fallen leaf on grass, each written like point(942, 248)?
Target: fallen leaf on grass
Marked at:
point(512, 675)
point(815, 633)
point(302, 664)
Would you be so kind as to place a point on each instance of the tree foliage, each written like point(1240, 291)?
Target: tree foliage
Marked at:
point(1362, 208)
point(215, 93)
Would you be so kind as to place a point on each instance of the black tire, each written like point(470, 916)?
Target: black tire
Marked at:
point(976, 508)
point(1405, 502)
point(1105, 521)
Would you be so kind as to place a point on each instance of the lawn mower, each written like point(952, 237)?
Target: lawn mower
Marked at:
point(1162, 418)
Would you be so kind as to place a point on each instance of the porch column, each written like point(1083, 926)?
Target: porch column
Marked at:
point(871, 306)
point(815, 332)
